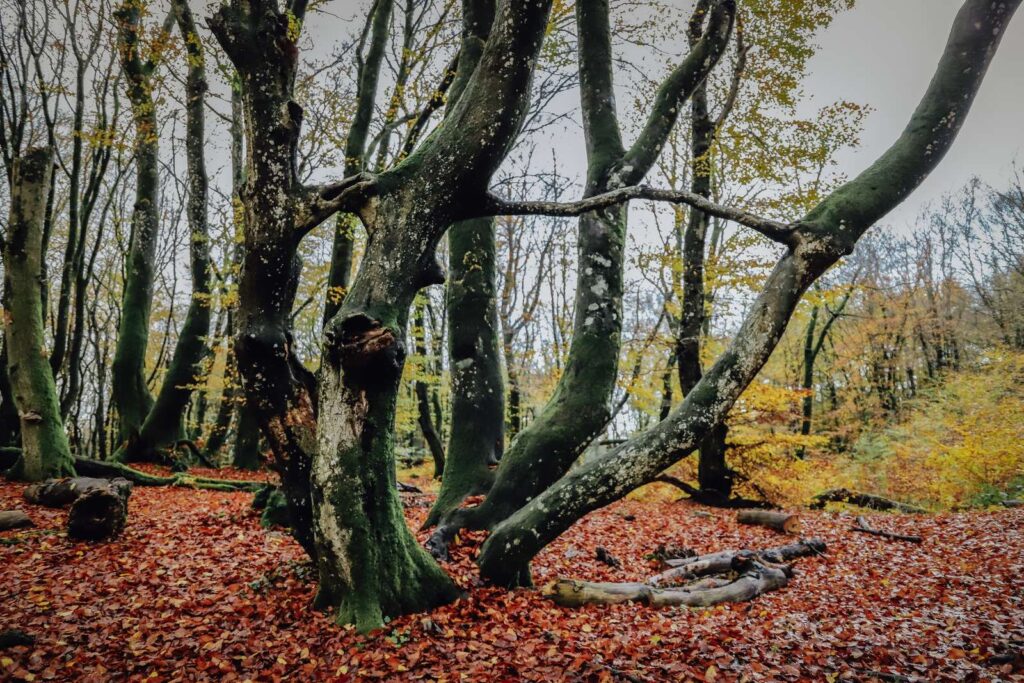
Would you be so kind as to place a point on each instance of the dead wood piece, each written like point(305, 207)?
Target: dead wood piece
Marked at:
point(603, 555)
point(97, 515)
point(687, 569)
point(784, 522)
point(408, 488)
point(863, 500)
point(14, 519)
point(865, 528)
point(57, 493)
point(13, 637)
point(753, 579)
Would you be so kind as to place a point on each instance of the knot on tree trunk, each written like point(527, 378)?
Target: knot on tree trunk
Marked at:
point(367, 351)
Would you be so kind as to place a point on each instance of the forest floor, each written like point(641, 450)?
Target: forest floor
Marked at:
point(196, 589)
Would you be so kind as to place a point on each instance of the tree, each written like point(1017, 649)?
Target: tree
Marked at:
point(813, 243)
point(45, 452)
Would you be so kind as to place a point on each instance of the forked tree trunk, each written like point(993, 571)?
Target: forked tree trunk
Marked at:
point(258, 39)
point(45, 452)
point(164, 424)
point(580, 408)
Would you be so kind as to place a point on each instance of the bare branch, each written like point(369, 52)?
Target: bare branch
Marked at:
point(773, 230)
point(321, 202)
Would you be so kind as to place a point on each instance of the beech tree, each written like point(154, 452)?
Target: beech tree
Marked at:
point(333, 440)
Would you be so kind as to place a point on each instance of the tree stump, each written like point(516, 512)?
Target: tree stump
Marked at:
point(98, 515)
point(14, 519)
point(779, 521)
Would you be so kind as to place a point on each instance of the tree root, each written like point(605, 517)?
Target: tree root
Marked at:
point(99, 468)
point(711, 498)
point(727, 576)
point(865, 528)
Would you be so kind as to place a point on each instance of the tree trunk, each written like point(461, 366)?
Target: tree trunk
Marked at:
point(713, 474)
point(14, 519)
point(245, 453)
point(278, 388)
point(58, 493)
point(45, 451)
point(814, 243)
point(131, 397)
point(423, 405)
point(477, 437)
point(163, 425)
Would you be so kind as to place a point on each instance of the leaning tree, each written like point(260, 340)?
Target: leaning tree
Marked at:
point(334, 438)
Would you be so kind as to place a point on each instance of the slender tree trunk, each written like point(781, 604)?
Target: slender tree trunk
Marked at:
point(163, 425)
point(423, 406)
point(131, 397)
point(44, 445)
point(713, 474)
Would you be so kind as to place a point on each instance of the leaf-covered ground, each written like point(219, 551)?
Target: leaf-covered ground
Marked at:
point(196, 590)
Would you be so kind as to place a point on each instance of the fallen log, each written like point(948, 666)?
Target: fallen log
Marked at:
point(99, 514)
point(689, 568)
point(14, 519)
point(863, 500)
point(784, 522)
point(57, 493)
point(710, 498)
point(752, 579)
point(865, 528)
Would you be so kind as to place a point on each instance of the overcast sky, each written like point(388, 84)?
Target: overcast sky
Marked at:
point(883, 53)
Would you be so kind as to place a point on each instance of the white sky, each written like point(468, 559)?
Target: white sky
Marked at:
point(883, 53)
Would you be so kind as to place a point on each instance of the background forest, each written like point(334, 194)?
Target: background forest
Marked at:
point(917, 333)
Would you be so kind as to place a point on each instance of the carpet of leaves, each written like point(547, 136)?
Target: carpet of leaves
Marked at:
point(196, 590)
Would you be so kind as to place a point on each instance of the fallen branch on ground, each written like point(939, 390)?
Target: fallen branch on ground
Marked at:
point(727, 576)
point(689, 568)
point(864, 500)
point(14, 519)
point(863, 527)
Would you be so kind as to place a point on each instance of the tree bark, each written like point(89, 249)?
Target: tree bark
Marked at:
point(14, 519)
point(779, 521)
point(163, 425)
point(423, 406)
point(57, 493)
point(45, 450)
point(99, 514)
point(131, 397)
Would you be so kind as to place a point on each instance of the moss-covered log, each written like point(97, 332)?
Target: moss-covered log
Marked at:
point(45, 452)
point(57, 493)
point(814, 244)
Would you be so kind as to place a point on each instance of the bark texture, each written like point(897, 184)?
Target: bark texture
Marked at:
point(45, 451)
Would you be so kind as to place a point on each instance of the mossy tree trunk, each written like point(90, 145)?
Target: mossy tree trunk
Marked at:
point(45, 451)
point(131, 396)
point(163, 425)
point(371, 567)
point(422, 390)
point(260, 41)
point(814, 243)
point(581, 405)
point(477, 437)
